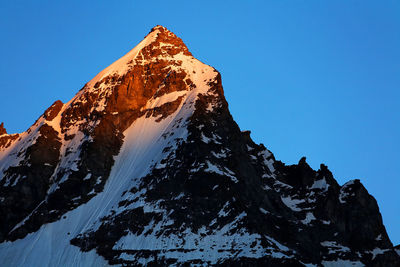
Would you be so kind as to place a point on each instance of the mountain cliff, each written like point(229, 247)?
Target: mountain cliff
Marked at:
point(146, 166)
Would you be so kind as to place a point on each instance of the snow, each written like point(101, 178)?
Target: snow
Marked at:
point(50, 245)
point(166, 98)
point(309, 217)
point(181, 195)
point(277, 244)
point(268, 160)
point(224, 211)
point(278, 183)
point(341, 263)
point(334, 247)
point(263, 211)
point(216, 169)
point(87, 177)
point(320, 184)
point(292, 203)
point(377, 251)
point(205, 139)
point(219, 155)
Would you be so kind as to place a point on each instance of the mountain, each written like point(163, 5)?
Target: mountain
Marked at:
point(146, 166)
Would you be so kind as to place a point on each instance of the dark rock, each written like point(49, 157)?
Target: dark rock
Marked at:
point(53, 110)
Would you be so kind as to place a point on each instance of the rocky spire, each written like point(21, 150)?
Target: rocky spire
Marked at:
point(2, 129)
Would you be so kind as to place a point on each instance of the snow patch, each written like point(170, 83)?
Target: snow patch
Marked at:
point(309, 217)
point(341, 263)
point(292, 203)
point(320, 184)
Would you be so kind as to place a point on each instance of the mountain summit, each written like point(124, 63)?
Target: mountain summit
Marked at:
point(146, 166)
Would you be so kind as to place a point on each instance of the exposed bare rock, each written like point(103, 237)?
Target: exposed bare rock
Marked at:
point(2, 129)
point(53, 110)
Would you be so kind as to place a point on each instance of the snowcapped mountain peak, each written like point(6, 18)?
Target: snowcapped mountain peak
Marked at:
point(146, 166)
point(160, 44)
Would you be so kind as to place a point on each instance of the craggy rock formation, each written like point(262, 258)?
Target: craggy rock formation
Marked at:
point(2, 129)
point(146, 166)
point(6, 139)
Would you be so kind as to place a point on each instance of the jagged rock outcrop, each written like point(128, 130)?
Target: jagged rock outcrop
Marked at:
point(6, 139)
point(146, 166)
point(2, 129)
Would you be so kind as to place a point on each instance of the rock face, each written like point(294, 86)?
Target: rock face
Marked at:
point(146, 166)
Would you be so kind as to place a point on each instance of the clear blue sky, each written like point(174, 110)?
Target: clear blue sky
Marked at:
point(319, 79)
